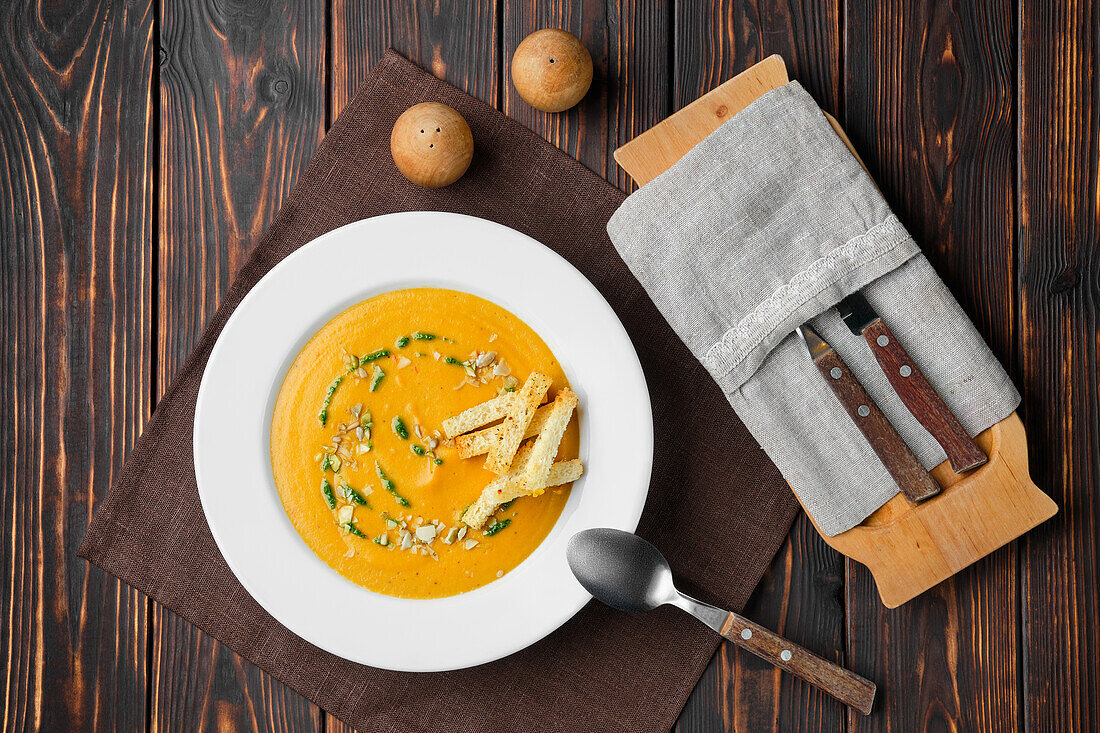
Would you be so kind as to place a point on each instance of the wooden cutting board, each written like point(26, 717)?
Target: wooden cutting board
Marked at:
point(908, 547)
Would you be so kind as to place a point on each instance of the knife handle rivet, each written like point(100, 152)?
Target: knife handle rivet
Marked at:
point(746, 633)
point(883, 340)
point(905, 370)
point(835, 373)
point(785, 655)
point(864, 410)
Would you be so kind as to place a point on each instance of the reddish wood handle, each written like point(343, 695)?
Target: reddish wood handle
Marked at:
point(846, 686)
point(915, 482)
point(918, 394)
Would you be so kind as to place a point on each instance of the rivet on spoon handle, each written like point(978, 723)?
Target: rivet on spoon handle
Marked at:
point(842, 684)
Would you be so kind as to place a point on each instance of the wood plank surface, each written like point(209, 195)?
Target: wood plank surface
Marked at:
point(242, 108)
point(456, 41)
point(189, 122)
point(929, 99)
point(76, 208)
point(1059, 343)
point(801, 597)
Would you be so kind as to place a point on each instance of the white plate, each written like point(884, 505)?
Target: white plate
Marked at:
point(265, 334)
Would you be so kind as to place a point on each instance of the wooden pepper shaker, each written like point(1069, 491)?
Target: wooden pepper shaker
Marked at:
point(552, 70)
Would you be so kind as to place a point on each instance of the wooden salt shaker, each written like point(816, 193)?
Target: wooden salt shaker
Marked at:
point(431, 144)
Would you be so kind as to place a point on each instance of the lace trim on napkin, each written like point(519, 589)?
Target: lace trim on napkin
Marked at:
point(758, 325)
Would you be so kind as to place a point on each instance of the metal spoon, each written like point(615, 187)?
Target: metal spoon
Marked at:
point(626, 572)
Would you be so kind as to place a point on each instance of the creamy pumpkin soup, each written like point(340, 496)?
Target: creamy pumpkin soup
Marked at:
point(372, 479)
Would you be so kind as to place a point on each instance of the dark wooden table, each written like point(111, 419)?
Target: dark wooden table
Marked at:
point(145, 146)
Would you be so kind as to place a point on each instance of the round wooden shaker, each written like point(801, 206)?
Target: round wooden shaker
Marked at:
point(431, 144)
point(551, 69)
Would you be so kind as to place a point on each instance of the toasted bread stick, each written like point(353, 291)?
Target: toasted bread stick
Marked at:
point(478, 415)
point(546, 445)
point(516, 419)
point(509, 487)
point(478, 443)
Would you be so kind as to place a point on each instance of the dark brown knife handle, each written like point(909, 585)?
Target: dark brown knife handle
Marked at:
point(844, 685)
point(915, 482)
point(918, 394)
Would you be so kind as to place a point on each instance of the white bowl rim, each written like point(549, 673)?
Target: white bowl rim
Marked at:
point(266, 332)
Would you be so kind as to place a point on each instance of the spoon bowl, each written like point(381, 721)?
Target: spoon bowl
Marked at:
point(620, 569)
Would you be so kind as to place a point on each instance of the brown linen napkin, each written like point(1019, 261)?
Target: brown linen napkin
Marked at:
point(717, 506)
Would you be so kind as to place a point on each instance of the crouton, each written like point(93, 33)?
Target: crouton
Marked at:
point(516, 419)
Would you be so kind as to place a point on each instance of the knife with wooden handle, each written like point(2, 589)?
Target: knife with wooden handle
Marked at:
point(915, 482)
point(914, 389)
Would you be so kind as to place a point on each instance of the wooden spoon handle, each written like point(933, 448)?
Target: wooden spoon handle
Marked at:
point(845, 686)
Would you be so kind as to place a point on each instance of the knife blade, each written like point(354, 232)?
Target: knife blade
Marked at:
point(914, 389)
point(915, 482)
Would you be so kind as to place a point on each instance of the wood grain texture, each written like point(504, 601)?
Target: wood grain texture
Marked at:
point(929, 105)
point(1059, 293)
point(629, 42)
point(848, 687)
point(921, 398)
point(915, 482)
point(801, 597)
point(242, 108)
point(198, 684)
point(456, 41)
point(76, 203)
point(96, 319)
point(909, 548)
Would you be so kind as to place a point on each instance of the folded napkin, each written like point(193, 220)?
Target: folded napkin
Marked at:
point(765, 225)
point(717, 506)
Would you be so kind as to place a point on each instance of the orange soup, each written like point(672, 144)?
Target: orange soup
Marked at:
point(359, 459)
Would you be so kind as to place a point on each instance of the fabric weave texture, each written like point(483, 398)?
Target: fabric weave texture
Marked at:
point(765, 225)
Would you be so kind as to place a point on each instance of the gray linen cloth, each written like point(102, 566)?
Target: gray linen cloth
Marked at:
point(765, 225)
